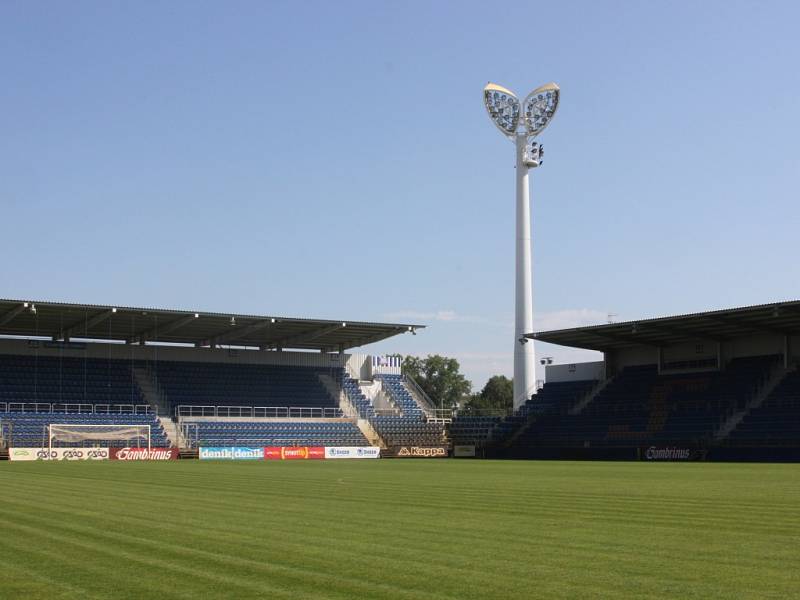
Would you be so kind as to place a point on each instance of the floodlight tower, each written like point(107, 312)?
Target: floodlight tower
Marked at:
point(521, 125)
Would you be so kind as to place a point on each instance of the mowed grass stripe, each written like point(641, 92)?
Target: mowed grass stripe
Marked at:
point(614, 510)
point(569, 527)
point(579, 505)
point(349, 585)
point(449, 565)
point(56, 528)
point(146, 557)
point(313, 536)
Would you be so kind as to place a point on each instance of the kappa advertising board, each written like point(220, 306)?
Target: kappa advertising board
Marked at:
point(144, 454)
point(352, 452)
point(415, 452)
point(231, 453)
point(293, 452)
point(58, 454)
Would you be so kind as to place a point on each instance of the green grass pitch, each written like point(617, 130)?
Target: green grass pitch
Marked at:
point(398, 529)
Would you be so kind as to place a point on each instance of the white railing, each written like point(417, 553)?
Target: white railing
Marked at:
point(73, 408)
point(86, 409)
point(483, 412)
point(264, 412)
point(440, 415)
point(126, 409)
point(418, 393)
point(32, 407)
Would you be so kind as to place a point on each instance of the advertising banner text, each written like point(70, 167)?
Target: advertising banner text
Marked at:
point(352, 452)
point(231, 453)
point(58, 454)
point(143, 454)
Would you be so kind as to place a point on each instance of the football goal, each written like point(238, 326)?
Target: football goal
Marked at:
point(66, 434)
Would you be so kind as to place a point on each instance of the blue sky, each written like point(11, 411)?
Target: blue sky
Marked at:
point(334, 160)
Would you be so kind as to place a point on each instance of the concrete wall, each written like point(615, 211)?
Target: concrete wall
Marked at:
point(574, 372)
point(628, 357)
point(701, 350)
point(758, 344)
point(752, 346)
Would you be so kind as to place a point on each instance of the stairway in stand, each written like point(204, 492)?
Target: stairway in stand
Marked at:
point(150, 390)
point(172, 432)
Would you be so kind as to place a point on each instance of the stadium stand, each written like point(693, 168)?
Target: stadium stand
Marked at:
point(393, 385)
point(410, 427)
point(553, 399)
point(776, 422)
point(261, 378)
point(82, 388)
point(30, 429)
point(471, 429)
point(193, 383)
point(36, 391)
point(720, 385)
point(246, 433)
point(724, 382)
point(67, 381)
point(641, 407)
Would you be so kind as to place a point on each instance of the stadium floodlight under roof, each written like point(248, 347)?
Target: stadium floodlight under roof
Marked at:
point(521, 123)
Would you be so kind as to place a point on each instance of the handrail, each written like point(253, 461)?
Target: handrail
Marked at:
point(483, 412)
point(73, 408)
point(76, 408)
point(270, 412)
point(416, 388)
point(161, 396)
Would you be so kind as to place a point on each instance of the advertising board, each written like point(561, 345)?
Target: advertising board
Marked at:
point(415, 452)
point(464, 451)
point(58, 454)
point(352, 452)
point(143, 454)
point(293, 452)
point(672, 453)
point(231, 453)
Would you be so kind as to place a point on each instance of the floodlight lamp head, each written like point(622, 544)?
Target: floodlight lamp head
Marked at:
point(540, 108)
point(503, 108)
point(537, 111)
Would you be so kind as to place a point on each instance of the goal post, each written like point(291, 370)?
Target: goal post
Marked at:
point(66, 433)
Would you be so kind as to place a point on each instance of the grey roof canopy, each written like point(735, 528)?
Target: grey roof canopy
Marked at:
point(781, 318)
point(62, 321)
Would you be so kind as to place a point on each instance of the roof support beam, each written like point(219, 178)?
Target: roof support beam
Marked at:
point(793, 309)
point(13, 313)
point(627, 339)
point(238, 332)
point(143, 336)
point(84, 326)
point(309, 336)
point(362, 341)
point(740, 322)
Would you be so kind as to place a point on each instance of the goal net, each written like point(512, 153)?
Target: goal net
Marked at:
point(63, 434)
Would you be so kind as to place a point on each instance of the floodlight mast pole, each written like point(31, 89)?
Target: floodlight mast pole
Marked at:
point(521, 122)
point(524, 355)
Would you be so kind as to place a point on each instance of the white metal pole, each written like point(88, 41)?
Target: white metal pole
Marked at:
point(524, 357)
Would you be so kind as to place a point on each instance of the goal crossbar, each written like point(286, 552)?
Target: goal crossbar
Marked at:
point(73, 433)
